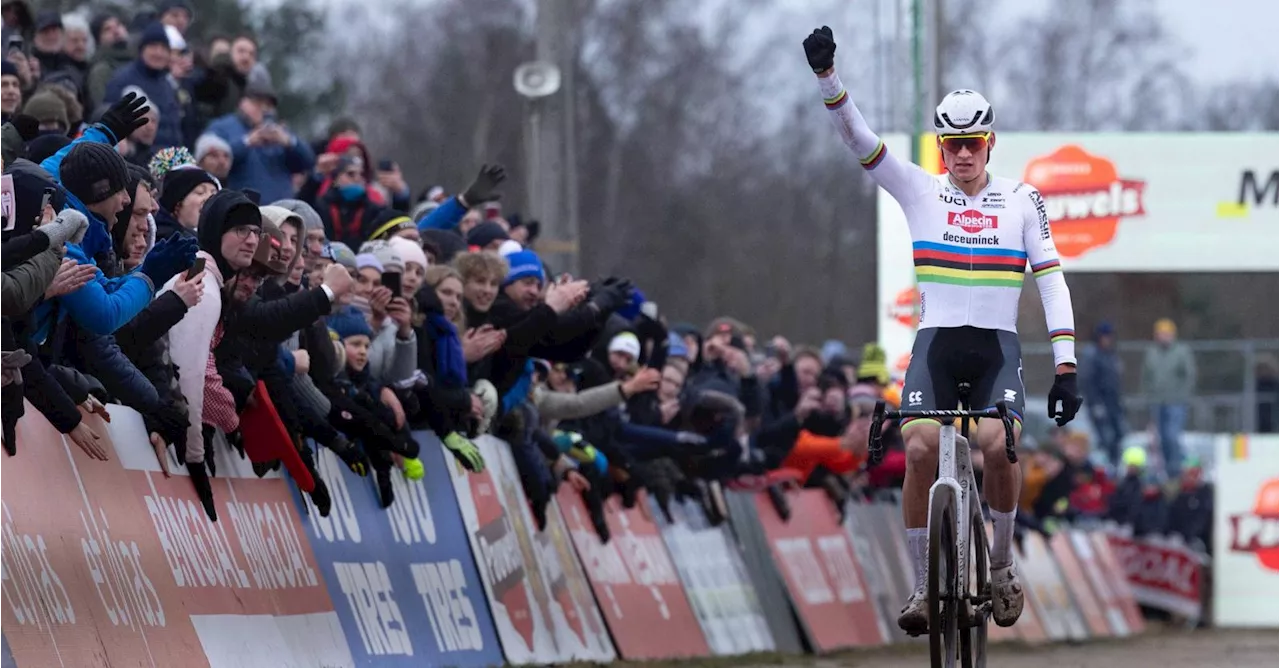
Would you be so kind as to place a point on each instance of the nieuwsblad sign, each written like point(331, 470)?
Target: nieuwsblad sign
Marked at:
point(1115, 203)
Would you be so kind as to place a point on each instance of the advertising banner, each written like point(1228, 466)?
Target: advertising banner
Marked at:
point(1094, 569)
point(635, 581)
point(765, 578)
point(715, 580)
point(1162, 574)
point(539, 617)
point(1115, 202)
point(1073, 575)
point(1044, 586)
point(402, 578)
point(817, 561)
point(1246, 521)
point(858, 526)
point(1118, 580)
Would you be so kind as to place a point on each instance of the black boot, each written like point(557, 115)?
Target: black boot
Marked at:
point(200, 478)
point(385, 491)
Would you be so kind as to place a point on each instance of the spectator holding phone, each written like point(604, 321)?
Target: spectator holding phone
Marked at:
point(264, 153)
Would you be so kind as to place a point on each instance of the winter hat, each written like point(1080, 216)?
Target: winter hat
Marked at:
point(97, 22)
point(342, 254)
point(388, 222)
point(509, 246)
point(225, 210)
point(390, 259)
point(1135, 456)
point(486, 233)
point(169, 158)
point(368, 261)
point(208, 142)
point(47, 107)
point(178, 183)
point(423, 209)
point(153, 34)
point(631, 310)
point(44, 146)
point(310, 219)
point(8, 69)
point(449, 242)
point(524, 264)
point(48, 18)
point(267, 256)
point(93, 172)
point(409, 251)
point(626, 342)
point(279, 215)
point(349, 322)
point(873, 365)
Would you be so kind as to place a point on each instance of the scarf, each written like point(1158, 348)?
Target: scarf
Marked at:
point(451, 366)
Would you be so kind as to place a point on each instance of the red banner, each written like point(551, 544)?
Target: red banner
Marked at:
point(1161, 576)
point(634, 580)
point(823, 576)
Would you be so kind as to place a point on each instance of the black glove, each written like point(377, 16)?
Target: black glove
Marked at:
point(168, 257)
point(125, 116)
point(484, 188)
point(170, 421)
point(612, 295)
point(200, 478)
point(352, 456)
point(820, 49)
point(1064, 390)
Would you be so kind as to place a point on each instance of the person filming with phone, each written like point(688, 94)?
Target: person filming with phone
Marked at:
point(264, 153)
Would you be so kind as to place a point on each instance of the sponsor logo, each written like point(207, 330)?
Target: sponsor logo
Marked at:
point(1084, 197)
point(948, 197)
point(1010, 395)
point(1256, 532)
point(972, 221)
point(1255, 190)
point(1041, 215)
point(972, 241)
point(915, 398)
point(903, 309)
point(992, 201)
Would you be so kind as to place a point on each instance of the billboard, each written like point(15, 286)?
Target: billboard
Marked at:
point(1246, 513)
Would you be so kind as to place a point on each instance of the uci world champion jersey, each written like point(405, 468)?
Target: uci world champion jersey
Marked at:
point(971, 253)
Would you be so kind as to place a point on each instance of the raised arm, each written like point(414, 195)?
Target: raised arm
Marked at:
point(904, 180)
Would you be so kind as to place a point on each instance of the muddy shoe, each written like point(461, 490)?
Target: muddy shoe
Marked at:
point(915, 614)
point(1006, 596)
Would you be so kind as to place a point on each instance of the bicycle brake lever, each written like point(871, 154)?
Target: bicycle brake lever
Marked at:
point(1005, 420)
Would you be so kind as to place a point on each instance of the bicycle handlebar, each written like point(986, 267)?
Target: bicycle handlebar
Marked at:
point(875, 447)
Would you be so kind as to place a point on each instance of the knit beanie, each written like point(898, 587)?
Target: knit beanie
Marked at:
point(47, 107)
point(209, 142)
point(486, 233)
point(390, 259)
point(178, 183)
point(93, 172)
point(310, 219)
point(169, 158)
point(524, 264)
point(342, 254)
point(368, 261)
point(349, 322)
point(409, 251)
point(8, 69)
point(388, 222)
point(153, 34)
point(44, 146)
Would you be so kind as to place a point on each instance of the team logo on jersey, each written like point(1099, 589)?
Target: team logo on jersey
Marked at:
point(972, 221)
point(1084, 198)
point(992, 201)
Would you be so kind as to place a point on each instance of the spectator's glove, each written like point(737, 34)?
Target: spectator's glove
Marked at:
point(350, 455)
point(690, 438)
point(465, 452)
point(70, 225)
point(386, 493)
point(820, 49)
point(168, 257)
point(1064, 391)
point(200, 478)
point(484, 188)
point(170, 421)
point(612, 295)
point(125, 116)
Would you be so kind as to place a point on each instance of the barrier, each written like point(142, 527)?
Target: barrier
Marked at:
point(1246, 521)
point(539, 618)
point(111, 563)
point(1162, 574)
point(715, 578)
point(402, 578)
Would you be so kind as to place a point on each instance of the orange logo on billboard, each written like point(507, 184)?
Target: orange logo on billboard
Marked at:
point(1084, 197)
point(906, 308)
point(1256, 532)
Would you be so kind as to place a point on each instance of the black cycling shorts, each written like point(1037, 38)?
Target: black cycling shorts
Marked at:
point(990, 360)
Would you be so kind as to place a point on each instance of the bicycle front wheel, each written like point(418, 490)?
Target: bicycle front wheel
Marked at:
point(973, 639)
point(943, 578)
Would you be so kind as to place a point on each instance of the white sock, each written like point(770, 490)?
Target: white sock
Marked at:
point(1002, 542)
point(918, 544)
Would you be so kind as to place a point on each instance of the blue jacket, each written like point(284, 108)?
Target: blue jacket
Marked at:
point(160, 94)
point(444, 217)
point(267, 169)
point(104, 304)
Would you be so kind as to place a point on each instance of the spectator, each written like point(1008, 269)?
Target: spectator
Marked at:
point(135, 232)
point(1169, 380)
point(213, 155)
point(150, 73)
point(49, 110)
point(226, 80)
point(1101, 382)
point(176, 13)
point(138, 148)
point(1127, 498)
point(111, 53)
point(77, 47)
point(1191, 512)
point(181, 66)
point(46, 47)
point(264, 153)
point(10, 91)
point(17, 19)
point(347, 209)
point(487, 236)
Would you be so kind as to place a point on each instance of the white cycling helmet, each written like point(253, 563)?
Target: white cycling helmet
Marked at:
point(962, 112)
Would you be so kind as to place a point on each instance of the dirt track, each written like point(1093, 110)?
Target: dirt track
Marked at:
point(1158, 648)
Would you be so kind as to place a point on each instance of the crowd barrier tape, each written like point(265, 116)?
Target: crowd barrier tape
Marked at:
point(111, 563)
point(1246, 531)
point(1163, 574)
point(402, 578)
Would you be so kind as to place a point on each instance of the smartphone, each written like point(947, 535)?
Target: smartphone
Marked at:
point(45, 199)
point(391, 281)
point(386, 166)
point(196, 267)
point(16, 42)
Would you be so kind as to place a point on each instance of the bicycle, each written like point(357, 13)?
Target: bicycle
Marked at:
point(955, 525)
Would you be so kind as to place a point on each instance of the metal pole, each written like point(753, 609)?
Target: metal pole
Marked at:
point(939, 31)
point(568, 70)
point(550, 169)
point(917, 81)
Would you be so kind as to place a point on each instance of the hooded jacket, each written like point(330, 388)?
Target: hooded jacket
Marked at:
point(160, 94)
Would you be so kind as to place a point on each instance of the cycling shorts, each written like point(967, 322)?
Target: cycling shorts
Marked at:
point(990, 360)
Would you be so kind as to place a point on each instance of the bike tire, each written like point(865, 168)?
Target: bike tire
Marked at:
point(942, 578)
point(973, 640)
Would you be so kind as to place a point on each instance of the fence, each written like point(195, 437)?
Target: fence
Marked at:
point(1229, 397)
point(113, 563)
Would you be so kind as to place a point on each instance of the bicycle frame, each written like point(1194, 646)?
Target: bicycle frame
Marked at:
point(955, 470)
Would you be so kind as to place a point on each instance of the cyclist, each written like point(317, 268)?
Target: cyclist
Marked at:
point(972, 235)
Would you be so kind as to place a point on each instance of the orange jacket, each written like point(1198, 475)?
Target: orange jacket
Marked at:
point(812, 451)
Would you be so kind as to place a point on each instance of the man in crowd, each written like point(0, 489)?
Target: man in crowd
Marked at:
point(1169, 379)
point(264, 153)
